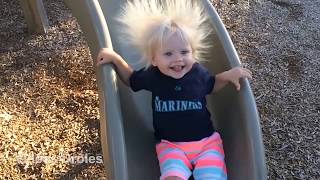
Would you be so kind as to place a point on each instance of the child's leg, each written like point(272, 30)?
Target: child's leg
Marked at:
point(174, 165)
point(173, 178)
point(210, 165)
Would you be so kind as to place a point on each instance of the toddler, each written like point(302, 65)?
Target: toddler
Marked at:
point(170, 37)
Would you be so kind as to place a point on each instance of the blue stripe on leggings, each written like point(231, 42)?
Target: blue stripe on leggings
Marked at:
point(209, 173)
point(169, 150)
point(176, 165)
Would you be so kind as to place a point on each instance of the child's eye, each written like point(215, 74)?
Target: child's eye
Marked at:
point(168, 54)
point(184, 52)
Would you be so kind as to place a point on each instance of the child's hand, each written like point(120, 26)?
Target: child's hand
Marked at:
point(106, 55)
point(234, 75)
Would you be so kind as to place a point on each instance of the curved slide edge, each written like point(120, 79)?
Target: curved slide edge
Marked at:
point(243, 140)
point(246, 100)
point(35, 15)
point(95, 29)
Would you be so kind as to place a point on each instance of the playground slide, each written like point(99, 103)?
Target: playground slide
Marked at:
point(35, 15)
point(126, 117)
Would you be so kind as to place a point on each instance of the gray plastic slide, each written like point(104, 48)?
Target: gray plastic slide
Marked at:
point(35, 15)
point(126, 117)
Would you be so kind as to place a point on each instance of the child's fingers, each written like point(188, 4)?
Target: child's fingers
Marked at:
point(100, 61)
point(249, 72)
point(100, 54)
point(105, 56)
point(102, 58)
point(99, 58)
point(246, 73)
point(237, 84)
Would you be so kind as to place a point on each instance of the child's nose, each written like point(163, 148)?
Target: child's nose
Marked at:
point(178, 58)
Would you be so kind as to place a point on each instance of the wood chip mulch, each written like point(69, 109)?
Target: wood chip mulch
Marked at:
point(279, 41)
point(49, 102)
point(48, 99)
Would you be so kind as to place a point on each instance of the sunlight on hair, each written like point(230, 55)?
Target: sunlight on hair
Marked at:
point(149, 23)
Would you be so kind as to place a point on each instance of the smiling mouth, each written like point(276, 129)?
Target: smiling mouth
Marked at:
point(177, 68)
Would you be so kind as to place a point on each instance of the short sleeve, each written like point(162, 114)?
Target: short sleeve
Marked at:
point(208, 79)
point(140, 79)
point(210, 83)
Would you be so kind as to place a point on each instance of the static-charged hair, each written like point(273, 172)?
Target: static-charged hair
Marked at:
point(149, 23)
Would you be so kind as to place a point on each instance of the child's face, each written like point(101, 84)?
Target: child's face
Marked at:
point(175, 58)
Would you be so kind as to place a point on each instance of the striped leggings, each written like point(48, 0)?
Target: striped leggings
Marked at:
point(205, 157)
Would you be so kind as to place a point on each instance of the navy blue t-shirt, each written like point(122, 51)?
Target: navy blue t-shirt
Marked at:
point(179, 105)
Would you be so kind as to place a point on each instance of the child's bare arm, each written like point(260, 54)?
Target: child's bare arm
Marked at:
point(233, 76)
point(123, 69)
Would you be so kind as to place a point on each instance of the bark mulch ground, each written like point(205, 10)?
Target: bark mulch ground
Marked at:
point(49, 102)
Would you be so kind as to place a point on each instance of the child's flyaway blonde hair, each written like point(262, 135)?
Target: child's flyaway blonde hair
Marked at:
point(150, 22)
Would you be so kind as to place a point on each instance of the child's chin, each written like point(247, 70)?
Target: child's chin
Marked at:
point(177, 76)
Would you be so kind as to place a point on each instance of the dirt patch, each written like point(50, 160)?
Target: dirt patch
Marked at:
point(295, 10)
point(294, 64)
